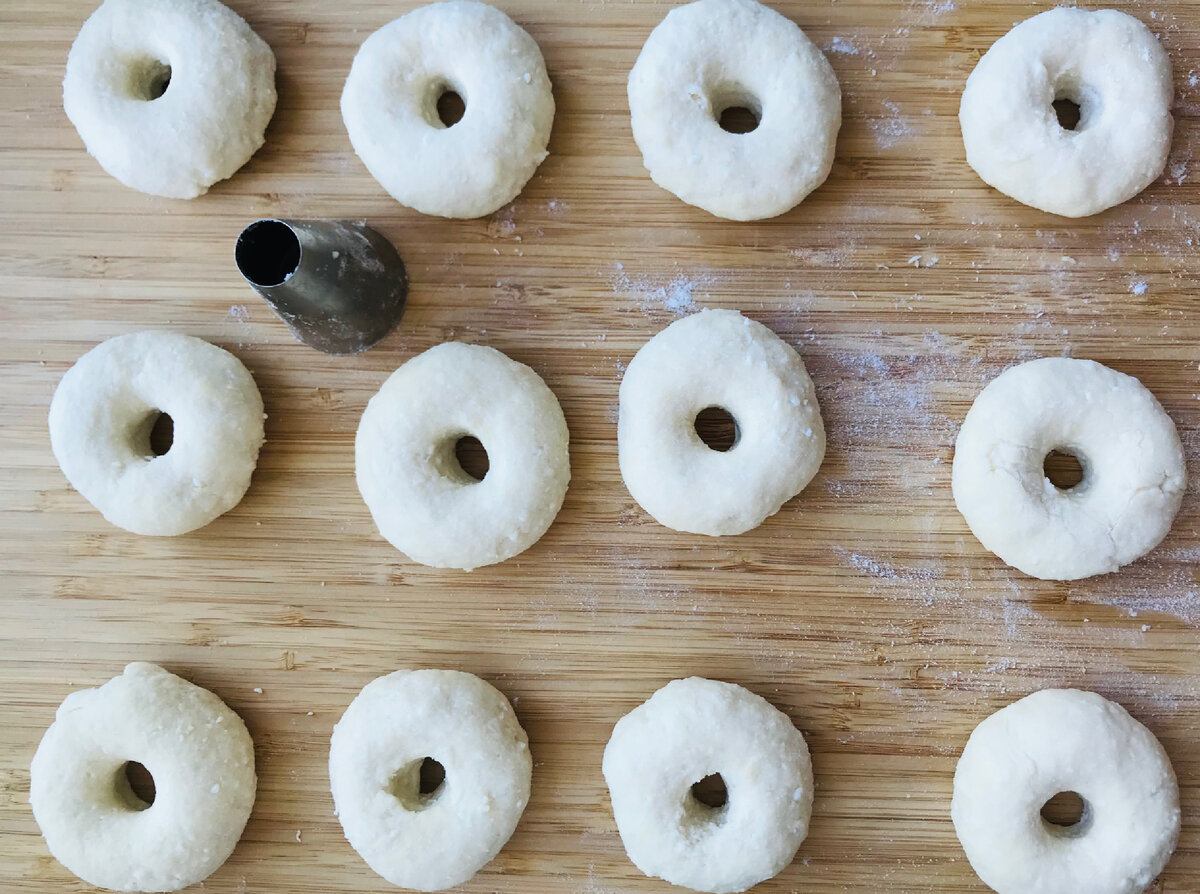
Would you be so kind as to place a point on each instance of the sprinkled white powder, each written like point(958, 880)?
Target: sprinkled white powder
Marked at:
point(891, 129)
point(677, 295)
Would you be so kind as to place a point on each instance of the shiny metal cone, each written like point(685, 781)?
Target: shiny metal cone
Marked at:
point(338, 284)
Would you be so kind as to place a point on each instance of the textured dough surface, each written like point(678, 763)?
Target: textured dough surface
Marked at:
point(202, 761)
point(1134, 473)
point(1114, 68)
point(710, 55)
point(440, 840)
point(422, 501)
point(216, 107)
point(100, 421)
point(717, 358)
point(1065, 740)
point(687, 730)
point(389, 106)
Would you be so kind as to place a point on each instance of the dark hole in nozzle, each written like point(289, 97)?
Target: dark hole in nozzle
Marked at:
point(1068, 113)
point(267, 252)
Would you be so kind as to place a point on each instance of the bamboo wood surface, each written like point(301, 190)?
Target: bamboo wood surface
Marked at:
point(864, 609)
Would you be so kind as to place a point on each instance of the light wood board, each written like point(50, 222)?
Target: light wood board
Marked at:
point(864, 609)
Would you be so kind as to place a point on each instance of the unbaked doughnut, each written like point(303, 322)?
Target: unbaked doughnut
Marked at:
point(1133, 468)
point(478, 164)
point(687, 731)
point(717, 358)
point(202, 762)
point(429, 841)
point(423, 502)
point(219, 83)
point(107, 403)
point(712, 55)
point(1065, 740)
point(1105, 62)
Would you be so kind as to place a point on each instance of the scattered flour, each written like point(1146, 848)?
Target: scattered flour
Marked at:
point(890, 129)
point(676, 296)
point(843, 46)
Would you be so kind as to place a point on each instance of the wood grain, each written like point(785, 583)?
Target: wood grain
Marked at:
point(864, 609)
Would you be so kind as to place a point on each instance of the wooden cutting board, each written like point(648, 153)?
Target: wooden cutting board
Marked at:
point(864, 609)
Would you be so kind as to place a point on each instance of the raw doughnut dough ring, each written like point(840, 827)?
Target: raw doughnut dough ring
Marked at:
point(202, 761)
point(219, 81)
point(421, 499)
point(1134, 474)
point(106, 404)
point(1113, 68)
point(717, 358)
point(437, 840)
point(1060, 740)
point(688, 730)
point(389, 105)
point(711, 55)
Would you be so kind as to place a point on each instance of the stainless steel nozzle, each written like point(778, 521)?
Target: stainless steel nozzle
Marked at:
point(338, 284)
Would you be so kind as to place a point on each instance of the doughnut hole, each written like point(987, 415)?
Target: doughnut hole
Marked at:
point(450, 108)
point(1066, 814)
point(705, 805)
point(711, 791)
point(471, 457)
point(162, 435)
point(154, 435)
point(1074, 104)
point(717, 428)
point(1063, 468)
point(134, 785)
point(149, 79)
point(417, 784)
point(736, 110)
point(1068, 113)
point(445, 105)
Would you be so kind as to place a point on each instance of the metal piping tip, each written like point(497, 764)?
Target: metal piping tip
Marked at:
point(338, 284)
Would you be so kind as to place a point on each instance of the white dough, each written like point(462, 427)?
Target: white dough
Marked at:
point(210, 120)
point(1065, 740)
point(688, 730)
point(1134, 474)
point(717, 358)
point(422, 501)
point(711, 55)
point(438, 840)
point(106, 404)
point(196, 749)
point(1107, 62)
point(389, 106)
